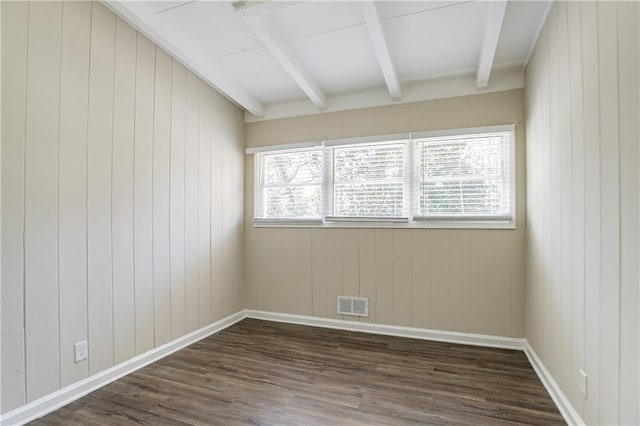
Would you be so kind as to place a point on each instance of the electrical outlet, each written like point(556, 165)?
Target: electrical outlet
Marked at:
point(81, 351)
point(583, 383)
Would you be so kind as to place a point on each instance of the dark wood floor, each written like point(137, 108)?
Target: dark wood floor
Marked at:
point(259, 372)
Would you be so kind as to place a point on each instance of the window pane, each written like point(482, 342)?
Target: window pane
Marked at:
point(294, 168)
point(379, 162)
point(292, 202)
point(464, 175)
point(291, 184)
point(372, 200)
point(368, 181)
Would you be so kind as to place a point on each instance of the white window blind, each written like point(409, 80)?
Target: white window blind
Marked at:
point(289, 184)
point(367, 180)
point(465, 177)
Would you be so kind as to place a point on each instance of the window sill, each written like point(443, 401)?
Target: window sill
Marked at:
point(423, 224)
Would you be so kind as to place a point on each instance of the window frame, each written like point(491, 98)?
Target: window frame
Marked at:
point(413, 220)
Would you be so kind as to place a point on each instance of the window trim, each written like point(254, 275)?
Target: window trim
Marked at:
point(412, 221)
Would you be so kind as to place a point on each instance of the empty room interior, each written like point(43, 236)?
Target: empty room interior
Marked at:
point(320, 212)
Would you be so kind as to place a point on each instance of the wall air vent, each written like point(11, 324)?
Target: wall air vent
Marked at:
point(356, 306)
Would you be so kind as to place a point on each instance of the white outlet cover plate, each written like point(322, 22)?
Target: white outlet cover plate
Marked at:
point(81, 351)
point(583, 383)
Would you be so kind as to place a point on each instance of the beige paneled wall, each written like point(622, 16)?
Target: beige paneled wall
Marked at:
point(122, 182)
point(460, 280)
point(582, 177)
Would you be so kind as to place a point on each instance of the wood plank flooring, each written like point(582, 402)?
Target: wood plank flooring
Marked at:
point(259, 372)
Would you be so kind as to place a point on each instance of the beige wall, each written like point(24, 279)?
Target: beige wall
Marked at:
point(582, 178)
point(125, 173)
point(460, 280)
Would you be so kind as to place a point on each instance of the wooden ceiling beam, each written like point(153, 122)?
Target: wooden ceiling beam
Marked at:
point(378, 37)
point(493, 26)
point(287, 58)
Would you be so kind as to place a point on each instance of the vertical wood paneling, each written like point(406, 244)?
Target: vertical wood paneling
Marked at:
point(516, 114)
point(459, 275)
point(263, 293)
point(553, 291)
point(366, 261)
point(439, 278)
point(41, 200)
point(629, 110)
point(402, 260)
point(350, 267)
point(14, 85)
point(420, 279)
point(161, 170)
point(594, 112)
point(228, 266)
point(502, 289)
point(297, 266)
point(216, 206)
point(143, 195)
point(99, 169)
point(239, 286)
point(482, 249)
point(124, 332)
point(204, 207)
point(177, 191)
point(610, 213)
point(72, 175)
point(319, 272)
point(275, 293)
point(533, 250)
point(191, 202)
point(564, 174)
point(340, 257)
point(93, 165)
point(577, 202)
point(592, 204)
point(545, 193)
point(384, 275)
point(252, 257)
point(335, 272)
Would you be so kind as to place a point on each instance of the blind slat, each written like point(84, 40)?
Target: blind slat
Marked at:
point(368, 180)
point(464, 175)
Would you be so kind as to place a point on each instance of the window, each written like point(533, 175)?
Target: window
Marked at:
point(466, 176)
point(290, 185)
point(454, 178)
point(367, 180)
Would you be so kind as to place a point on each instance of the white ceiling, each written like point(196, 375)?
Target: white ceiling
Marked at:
point(328, 47)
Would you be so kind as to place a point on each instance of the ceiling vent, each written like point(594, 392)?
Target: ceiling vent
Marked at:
point(356, 306)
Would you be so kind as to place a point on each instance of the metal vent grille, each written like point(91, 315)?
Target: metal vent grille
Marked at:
point(356, 306)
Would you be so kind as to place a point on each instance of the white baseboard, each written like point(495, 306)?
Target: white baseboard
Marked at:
point(569, 413)
point(68, 394)
point(392, 330)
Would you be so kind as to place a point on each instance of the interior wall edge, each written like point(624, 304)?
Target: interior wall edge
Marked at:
point(582, 305)
point(568, 411)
